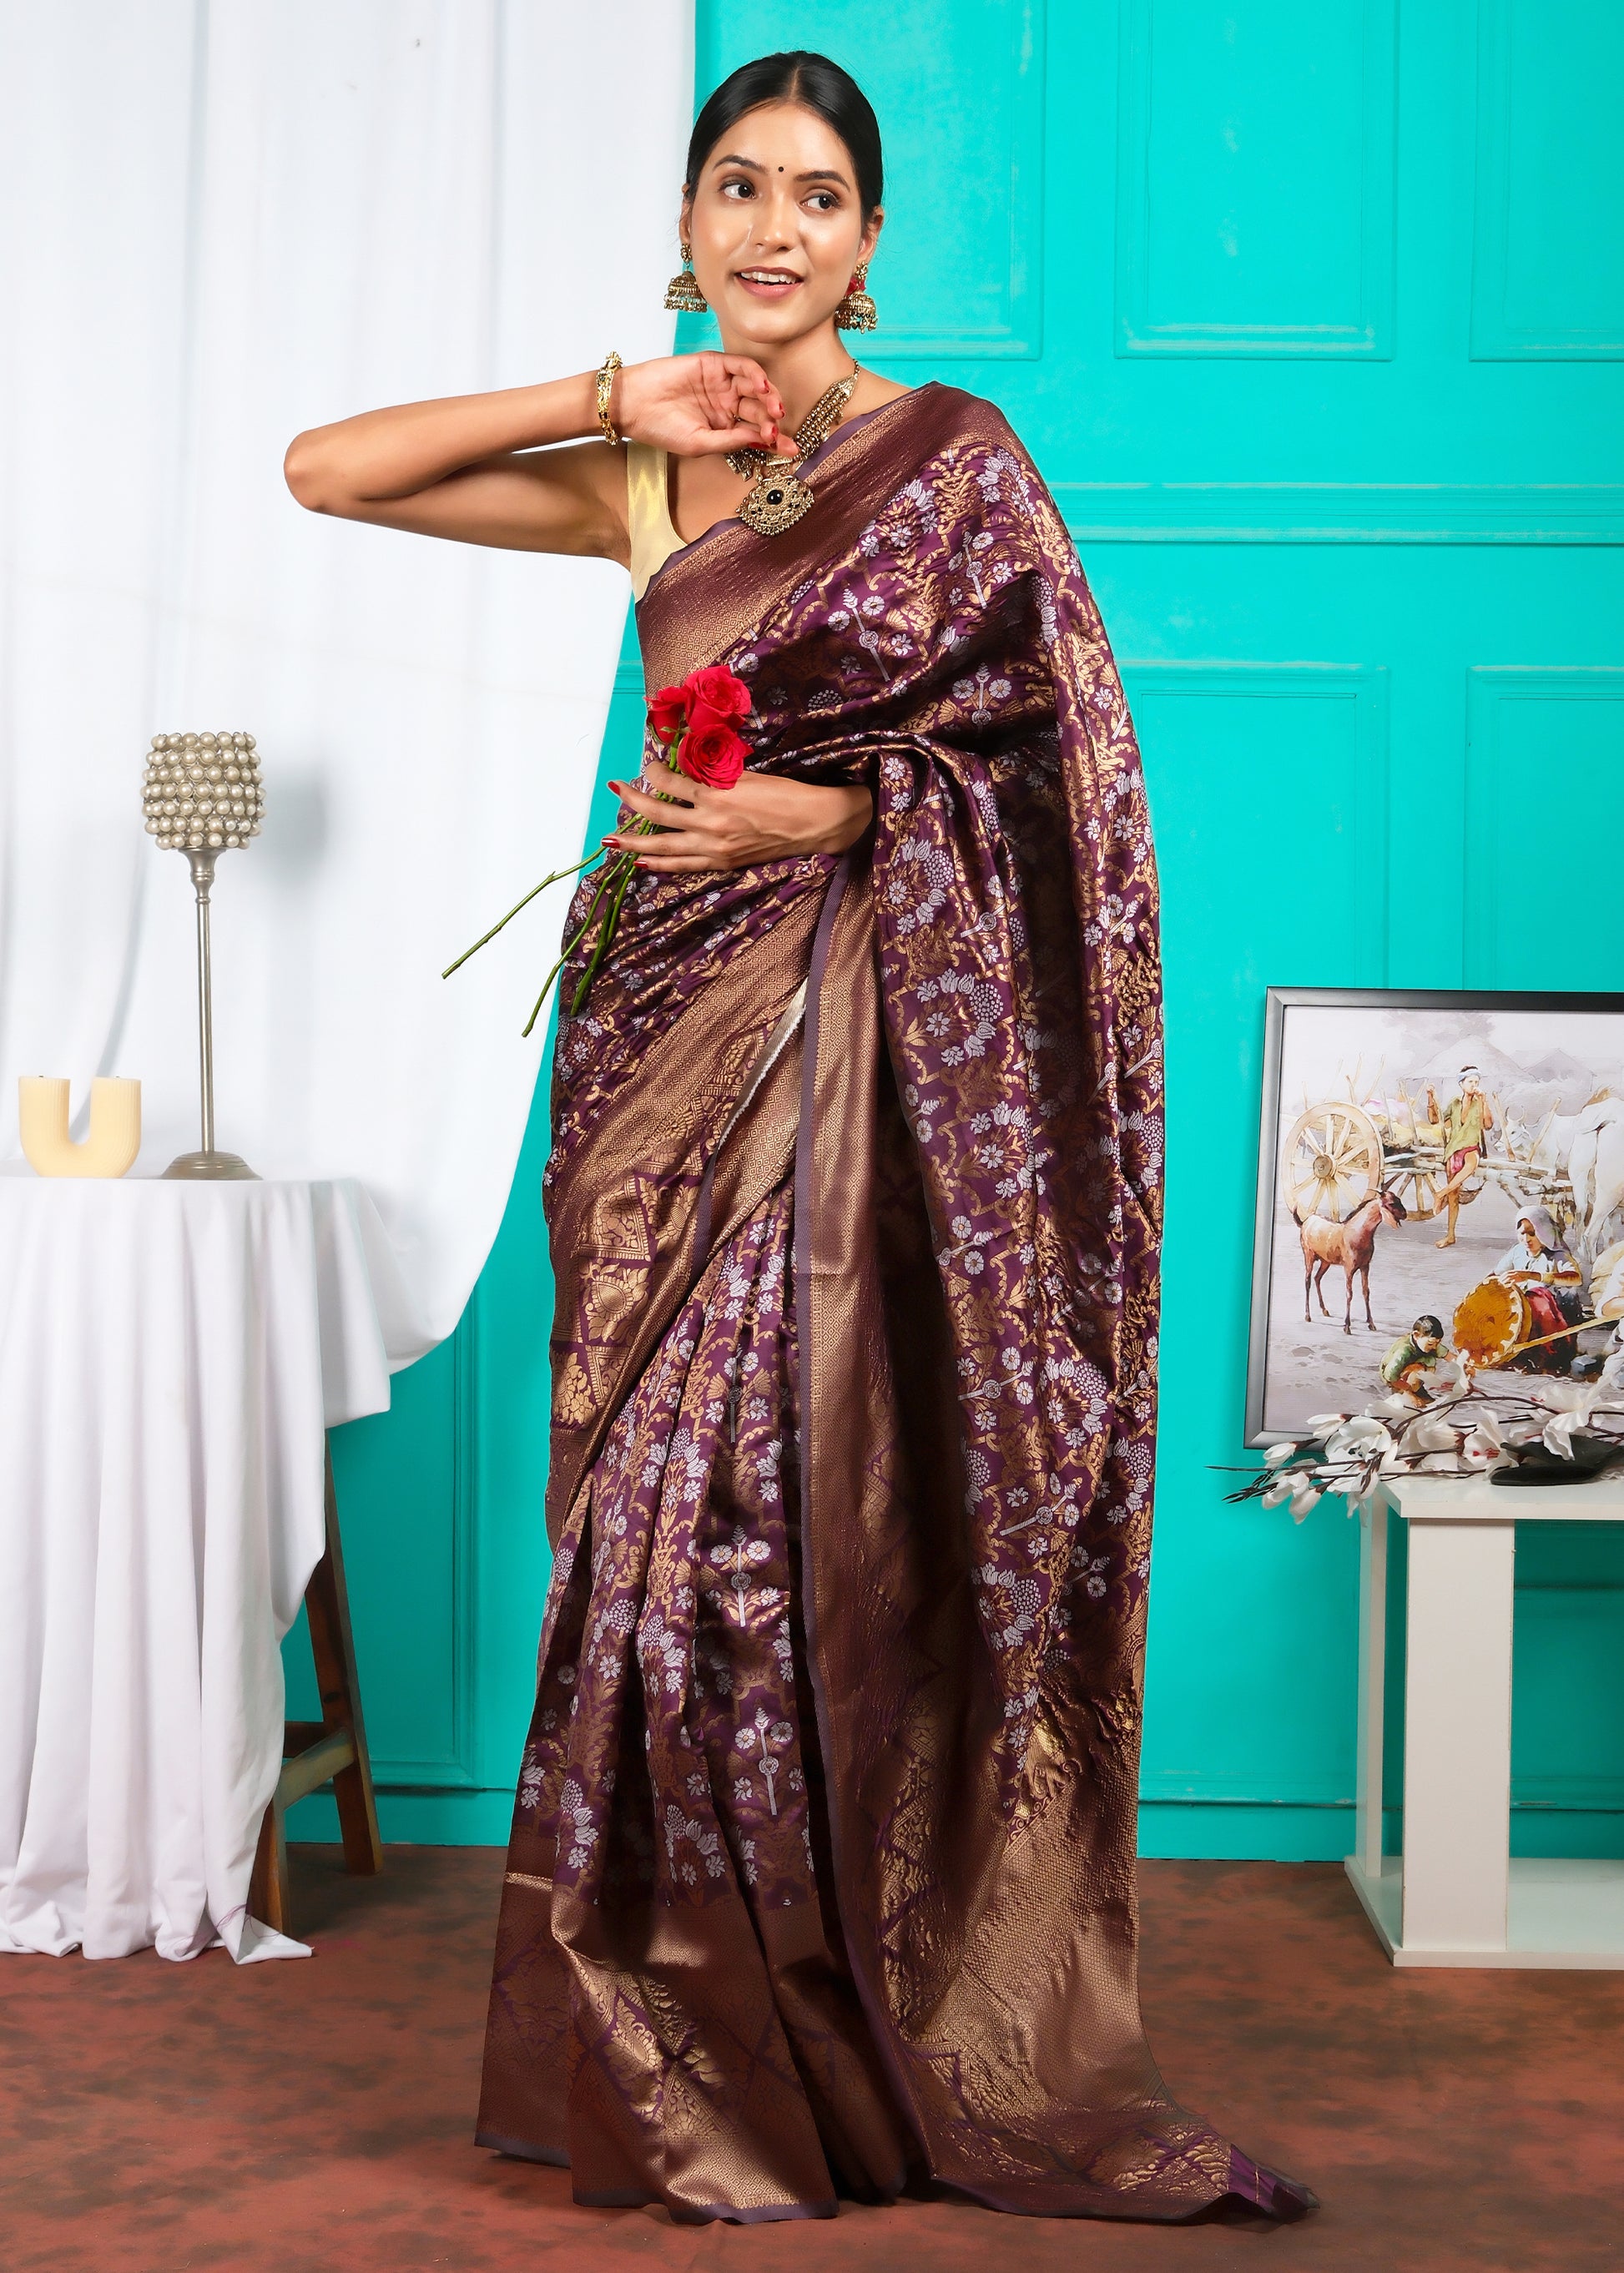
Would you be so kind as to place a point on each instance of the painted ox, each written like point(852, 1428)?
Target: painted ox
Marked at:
point(1589, 1146)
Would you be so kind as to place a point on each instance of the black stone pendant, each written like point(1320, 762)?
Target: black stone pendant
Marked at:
point(777, 503)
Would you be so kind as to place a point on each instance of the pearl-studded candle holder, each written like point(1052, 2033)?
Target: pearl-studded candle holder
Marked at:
point(203, 796)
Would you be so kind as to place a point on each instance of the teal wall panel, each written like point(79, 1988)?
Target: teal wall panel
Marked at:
point(1567, 1764)
point(1548, 283)
point(403, 1483)
point(1311, 315)
point(1533, 734)
point(1219, 108)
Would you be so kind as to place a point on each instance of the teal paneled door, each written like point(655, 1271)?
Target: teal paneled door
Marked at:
point(1314, 318)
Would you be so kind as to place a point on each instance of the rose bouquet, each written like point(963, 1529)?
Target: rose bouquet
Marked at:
point(694, 723)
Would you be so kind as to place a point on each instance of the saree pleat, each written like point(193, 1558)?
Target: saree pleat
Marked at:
point(716, 2038)
point(822, 1875)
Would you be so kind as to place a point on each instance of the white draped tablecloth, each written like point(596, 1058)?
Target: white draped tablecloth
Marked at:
point(171, 1357)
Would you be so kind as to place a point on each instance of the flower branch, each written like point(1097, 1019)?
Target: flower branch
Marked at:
point(1468, 1429)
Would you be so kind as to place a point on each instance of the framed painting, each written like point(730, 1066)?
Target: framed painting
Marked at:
point(1439, 1175)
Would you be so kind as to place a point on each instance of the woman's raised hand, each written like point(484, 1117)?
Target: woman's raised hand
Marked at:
point(698, 405)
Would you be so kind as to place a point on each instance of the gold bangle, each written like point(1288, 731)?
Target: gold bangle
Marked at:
point(606, 388)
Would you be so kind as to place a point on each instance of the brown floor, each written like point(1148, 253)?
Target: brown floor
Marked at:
point(315, 2116)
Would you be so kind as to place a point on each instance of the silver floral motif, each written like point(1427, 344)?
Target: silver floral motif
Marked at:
point(766, 1738)
point(737, 1557)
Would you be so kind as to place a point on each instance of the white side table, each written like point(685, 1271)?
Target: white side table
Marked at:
point(1454, 1897)
point(171, 1356)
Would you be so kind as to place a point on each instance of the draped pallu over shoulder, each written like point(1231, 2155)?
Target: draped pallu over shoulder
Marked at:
point(822, 1865)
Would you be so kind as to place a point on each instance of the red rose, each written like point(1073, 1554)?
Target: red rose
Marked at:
point(718, 690)
point(711, 751)
point(668, 712)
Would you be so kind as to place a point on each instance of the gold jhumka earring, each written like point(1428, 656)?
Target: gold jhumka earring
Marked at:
point(857, 311)
point(683, 296)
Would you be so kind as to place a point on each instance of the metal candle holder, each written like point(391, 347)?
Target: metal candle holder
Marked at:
point(203, 796)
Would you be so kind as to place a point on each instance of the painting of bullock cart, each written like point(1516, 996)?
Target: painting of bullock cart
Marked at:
point(1440, 1180)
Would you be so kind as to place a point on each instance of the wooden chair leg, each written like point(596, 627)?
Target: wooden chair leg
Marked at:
point(331, 1749)
point(327, 1603)
point(268, 1888)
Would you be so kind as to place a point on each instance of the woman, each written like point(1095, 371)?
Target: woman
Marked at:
point(1538, 1262)
point(822, 1863)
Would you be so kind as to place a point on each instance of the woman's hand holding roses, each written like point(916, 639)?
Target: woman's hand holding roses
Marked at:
point(709, 812)
point(761, 817)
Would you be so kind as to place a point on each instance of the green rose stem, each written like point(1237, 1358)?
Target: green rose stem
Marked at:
point(570, 945)
point(556, 877)
point(621, 877)
point(616, 874)
point(611, 920)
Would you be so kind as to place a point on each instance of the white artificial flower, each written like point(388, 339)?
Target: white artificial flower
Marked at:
point(1557, 1434)
point(1278, 1493)
point(1579, 1400)
point(1430, 1433)
point(1304, 1496)
point(1320, 1420)
point(1276, 1453)
point(1356, 1439)
point(1401, 1405)
point(1483, 1448)
point(1442, 1463)
point(1576, 1396)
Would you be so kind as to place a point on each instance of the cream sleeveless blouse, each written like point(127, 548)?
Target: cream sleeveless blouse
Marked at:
point(648, 514)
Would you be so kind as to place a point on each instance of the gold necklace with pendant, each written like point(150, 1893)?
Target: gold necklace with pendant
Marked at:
point(778, 499)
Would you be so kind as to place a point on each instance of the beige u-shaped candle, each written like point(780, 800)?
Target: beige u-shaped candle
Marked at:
point(114, 1137)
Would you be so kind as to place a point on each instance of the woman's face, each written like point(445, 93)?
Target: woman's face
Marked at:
point(776, 226)
point(1530, 1239)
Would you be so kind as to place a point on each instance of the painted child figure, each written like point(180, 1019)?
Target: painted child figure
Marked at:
point(1411, 1358)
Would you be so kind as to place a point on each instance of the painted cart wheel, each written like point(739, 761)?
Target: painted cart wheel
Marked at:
point(1330, 1163)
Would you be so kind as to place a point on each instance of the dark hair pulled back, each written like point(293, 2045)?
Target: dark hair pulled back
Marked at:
point(796, 76)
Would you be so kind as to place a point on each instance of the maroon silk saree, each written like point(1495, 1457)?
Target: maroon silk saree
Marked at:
point(822, 1875)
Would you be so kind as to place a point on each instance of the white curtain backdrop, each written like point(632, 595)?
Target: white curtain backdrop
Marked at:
point(223, 223)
